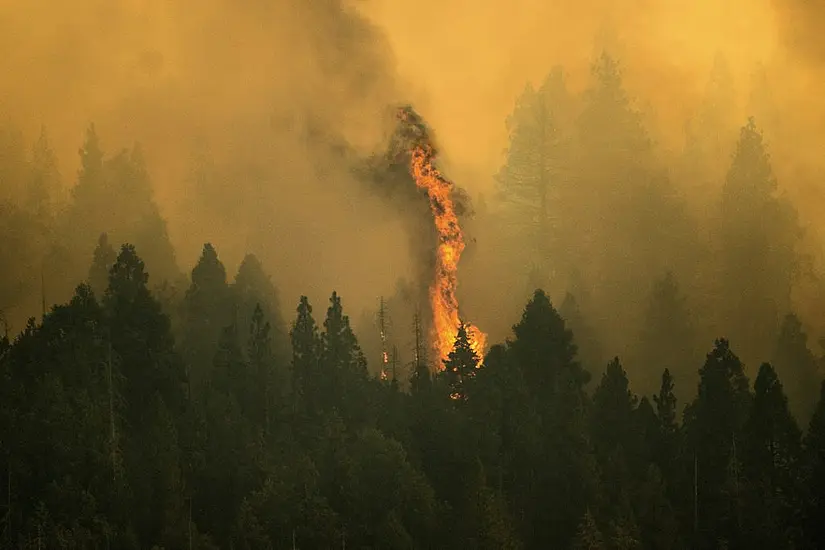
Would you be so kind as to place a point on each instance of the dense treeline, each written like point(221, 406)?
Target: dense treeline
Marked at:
point(114, 436)
point(177, 412)
point(662, 250)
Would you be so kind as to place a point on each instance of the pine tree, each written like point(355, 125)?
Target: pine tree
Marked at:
point(103, 259)
point(91, 161)
point(612, 411)
point(545, 349)
point(814, 480)
point(709, 133)
point(344, 368)
point(268, 384)
point(795, 364)
point(590, 349)
point(613, 435)
point(588, 537)
point(770, 461)
point(544, 352)
point(88, 193)
point(667, 338)
point(44, 194)
point(666, 404)
point(460, 365)
point(621, 186)
point(665, 452)
point(141, 338)
point(714, 424)
point(306, 360)
point(231, 375)
point(759, 233)
point(532, 177)
point(483, 522)
point(207, 309)
point(139, 216)
point(253, 289)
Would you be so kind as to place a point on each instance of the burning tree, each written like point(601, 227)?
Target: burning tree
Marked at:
point(413, 138)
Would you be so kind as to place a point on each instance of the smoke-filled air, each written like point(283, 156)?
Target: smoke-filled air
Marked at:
point(370, 274)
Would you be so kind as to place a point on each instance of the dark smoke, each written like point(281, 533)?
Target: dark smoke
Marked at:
point(387, 173)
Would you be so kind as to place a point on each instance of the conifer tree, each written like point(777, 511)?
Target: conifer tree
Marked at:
point(759, 234)
point(714, 424)
point(141, 337)
point(709, 132)
point(343, 366)
point(770, 461)
point(588, 343)
point(253, 289)
point(44, 195)
point(588, 536)
point(533, 176)
point(667, 337)
point(103, 259)
point(665, 452)
point(613, 435)
point(797, 366)
point(461, 364)
point(813, 509)
point(267, 383)
point(666, 404)
point(306, 359)
point(207, 309)
point(544, 352)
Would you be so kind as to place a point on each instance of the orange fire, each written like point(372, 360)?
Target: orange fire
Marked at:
point(450, 246)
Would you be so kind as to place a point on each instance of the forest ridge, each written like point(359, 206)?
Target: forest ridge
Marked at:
point(173, 411)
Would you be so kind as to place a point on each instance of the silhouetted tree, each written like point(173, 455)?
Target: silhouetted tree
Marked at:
point(714, 424)
point(813, 509)
point(667, 340)
point(758, 239)
point(103, 259)
point(795, 364)
point(461, 364)
point(307, 375)
point(207, 309)
point(770, 460)
point(343, 366)
point(532, 178)
point(44, 196)
point(544, 351)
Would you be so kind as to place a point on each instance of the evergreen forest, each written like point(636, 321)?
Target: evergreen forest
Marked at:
point(655, 387)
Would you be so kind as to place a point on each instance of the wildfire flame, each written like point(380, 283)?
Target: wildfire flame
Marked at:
point(450, 246)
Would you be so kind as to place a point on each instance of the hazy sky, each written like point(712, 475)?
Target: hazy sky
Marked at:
point(249, 84)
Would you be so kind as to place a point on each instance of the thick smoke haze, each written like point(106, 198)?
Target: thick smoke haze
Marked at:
point(241, 109)
point(232, 104)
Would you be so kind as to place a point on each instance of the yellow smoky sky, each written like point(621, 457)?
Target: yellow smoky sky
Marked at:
point(244, 79)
